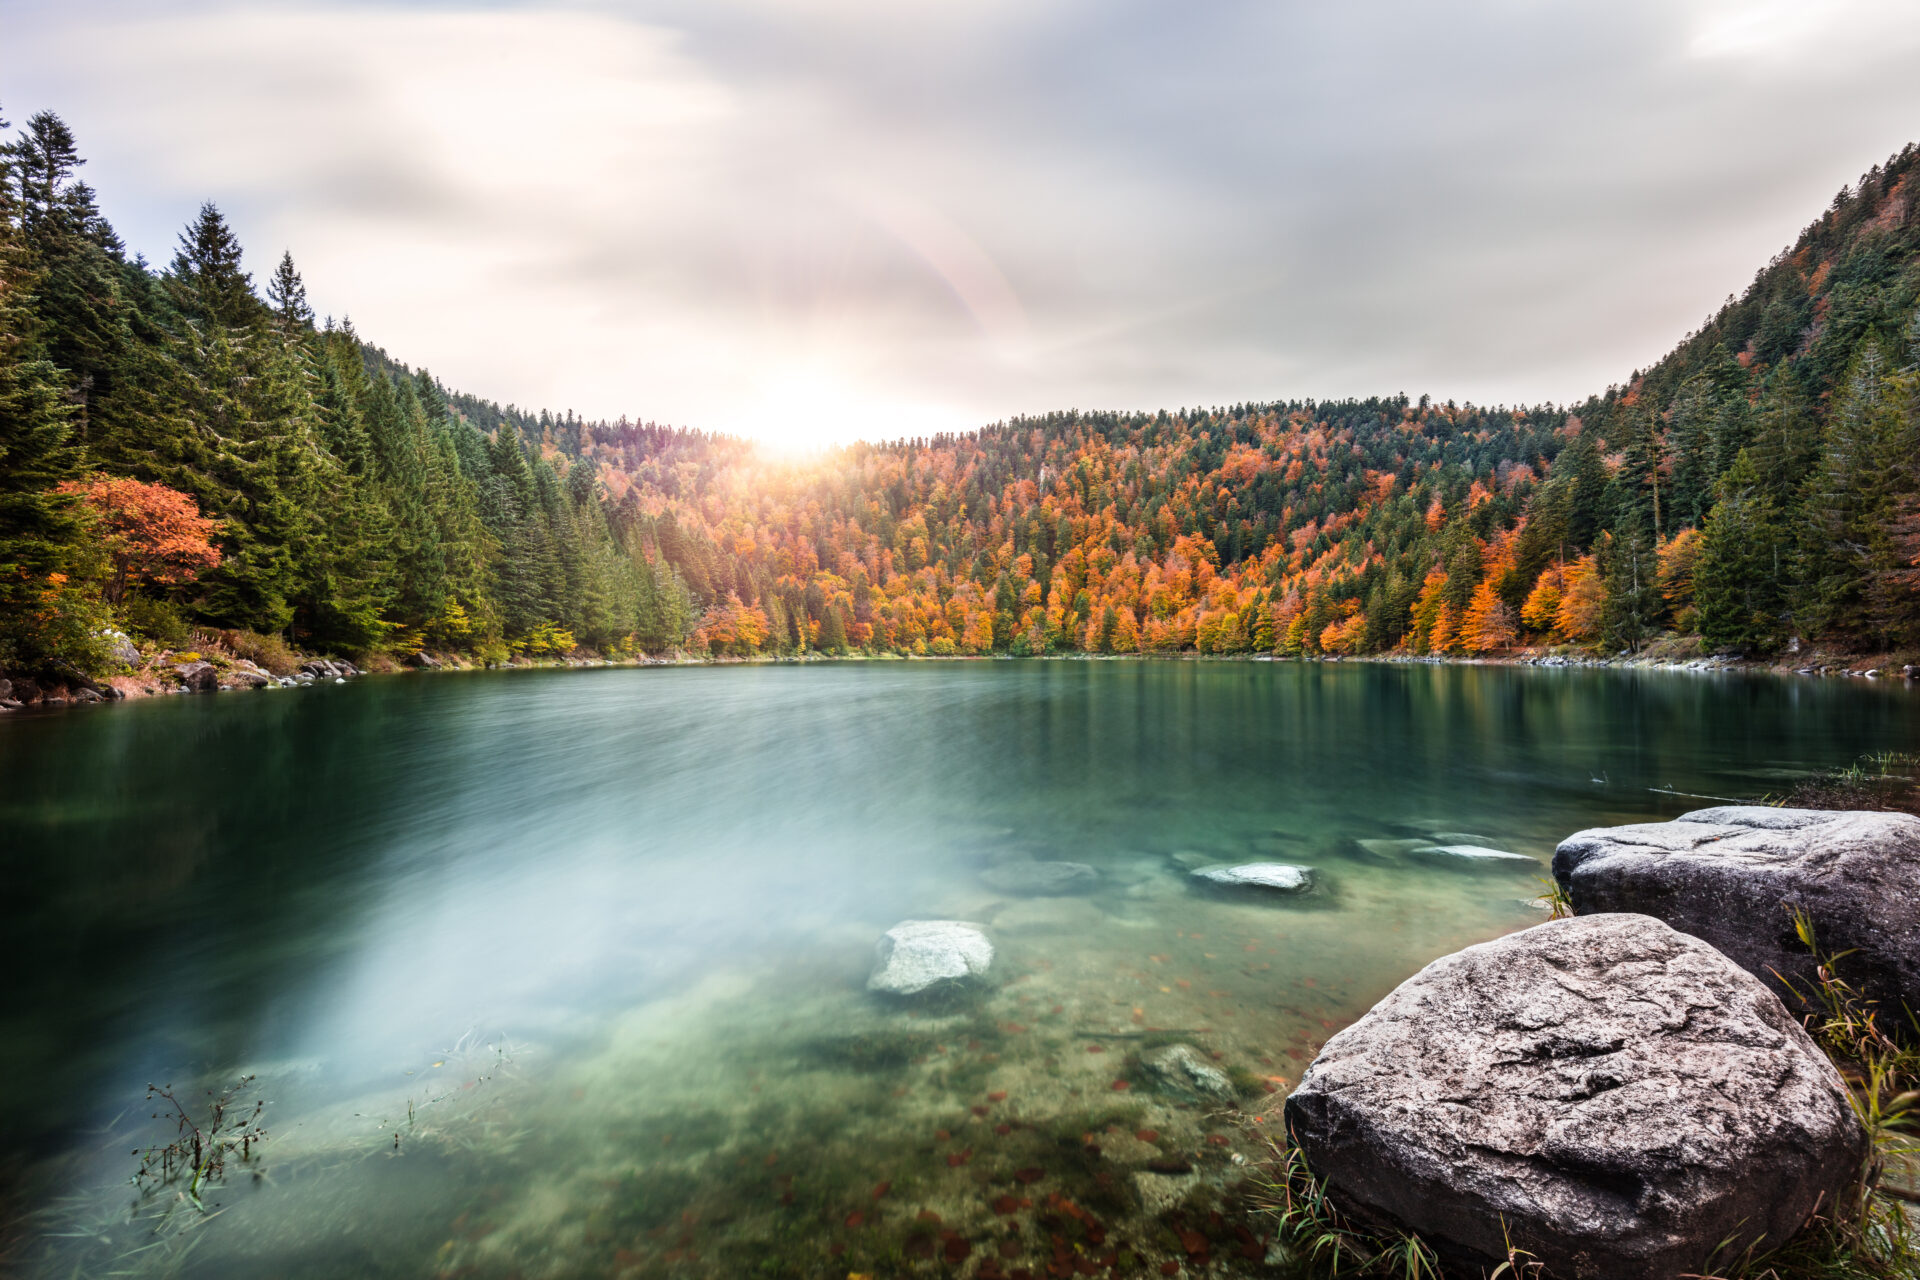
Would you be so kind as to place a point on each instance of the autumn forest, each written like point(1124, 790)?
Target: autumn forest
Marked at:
point(184, 449)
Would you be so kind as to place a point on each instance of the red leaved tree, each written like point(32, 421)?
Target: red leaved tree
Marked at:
point(154, 535)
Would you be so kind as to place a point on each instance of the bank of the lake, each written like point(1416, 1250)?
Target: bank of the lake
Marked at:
point(155, 672)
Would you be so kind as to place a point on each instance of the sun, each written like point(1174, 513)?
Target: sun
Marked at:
point(804, 410)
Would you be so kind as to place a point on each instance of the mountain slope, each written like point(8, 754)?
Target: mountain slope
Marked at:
point(1756, 485)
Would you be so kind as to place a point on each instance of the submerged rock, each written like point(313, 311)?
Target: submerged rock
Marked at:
point(1729, 875)
point(1384, 848)
point(1192, 859)
point(916, 955)
point(1040, 879)
point(1164, 1188)
point(1179, 1069)
point(1268, 877)
point(1600, 1090)
point(1049, 915)
point(1471, 853)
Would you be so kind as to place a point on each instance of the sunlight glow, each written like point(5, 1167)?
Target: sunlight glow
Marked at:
point(805, 407)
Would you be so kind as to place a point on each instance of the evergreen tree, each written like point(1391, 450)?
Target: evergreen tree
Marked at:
point(77, 291)
point(1866, 462)
point(287, 294)
point(40, 532)
point(207, 274)
point(1738, 582)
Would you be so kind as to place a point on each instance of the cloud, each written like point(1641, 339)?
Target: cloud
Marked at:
point(810, 218)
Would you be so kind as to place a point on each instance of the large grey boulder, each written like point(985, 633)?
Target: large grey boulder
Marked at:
point(199, 677)
point(917, 955)
point(1040, 879)
point(1729, 875)
point(1612, 1095)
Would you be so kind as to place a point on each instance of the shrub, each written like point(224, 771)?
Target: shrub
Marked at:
point(270, 651)
point(156, 620)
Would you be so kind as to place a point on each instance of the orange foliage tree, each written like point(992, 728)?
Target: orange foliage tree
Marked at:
point(1677, 557)
point(1542, 605)
point(153, 535)
point(1583, 602)
point(1489, 623)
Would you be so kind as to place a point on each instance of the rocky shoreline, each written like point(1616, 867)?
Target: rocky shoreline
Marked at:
point(1596, 1091)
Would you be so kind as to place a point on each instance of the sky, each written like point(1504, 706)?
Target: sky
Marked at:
point(815, 220)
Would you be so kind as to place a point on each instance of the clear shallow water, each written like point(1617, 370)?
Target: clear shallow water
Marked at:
point(607, 932)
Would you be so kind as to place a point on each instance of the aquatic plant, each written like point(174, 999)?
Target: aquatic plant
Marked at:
point(201, 1145)
point(1883, 780)
point(1881, 1069)
point(1555, 899)
point(467, 1131)
point(1319, 1240)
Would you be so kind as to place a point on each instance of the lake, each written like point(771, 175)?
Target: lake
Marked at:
point(555, 973)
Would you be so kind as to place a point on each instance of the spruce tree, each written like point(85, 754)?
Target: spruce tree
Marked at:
point(207, 272)
point(78, 293)
point(1866, 463)
point(287, 294)
point(39, 528)
point(1738, 585)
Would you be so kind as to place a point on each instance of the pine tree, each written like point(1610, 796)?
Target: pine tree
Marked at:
point(1866, 462)
point(207, 274)
point(1738, 580)
point(78, 297)
point(1690, 433)
point(287, 294)
point(833, 632)
point(39, 529)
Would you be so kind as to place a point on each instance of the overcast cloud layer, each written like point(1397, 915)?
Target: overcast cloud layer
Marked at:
point(815, 219)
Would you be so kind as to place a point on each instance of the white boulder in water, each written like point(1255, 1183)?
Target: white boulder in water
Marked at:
point(1274, 877)
point(915, 955)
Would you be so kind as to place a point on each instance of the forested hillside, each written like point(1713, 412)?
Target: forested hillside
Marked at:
point(184, 451)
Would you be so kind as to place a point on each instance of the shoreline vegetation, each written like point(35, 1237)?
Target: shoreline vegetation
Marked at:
point(226, 663)
point(217, 665)
point(187, 454)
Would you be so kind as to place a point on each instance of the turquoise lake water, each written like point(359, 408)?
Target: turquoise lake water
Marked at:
point(562, 973)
